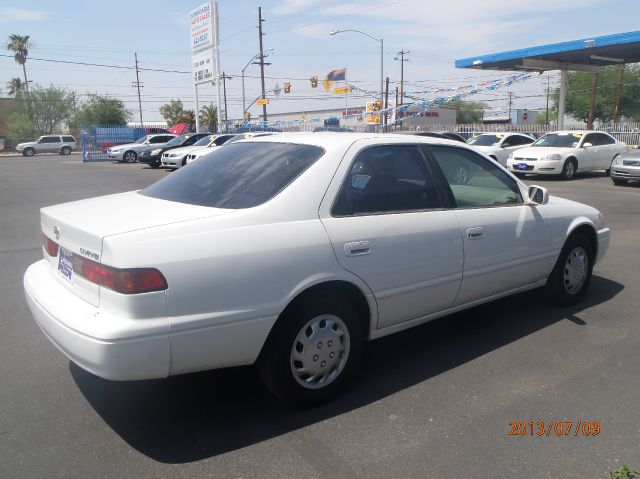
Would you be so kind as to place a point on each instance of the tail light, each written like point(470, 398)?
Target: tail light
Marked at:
point(50, 246)
point(125, 281)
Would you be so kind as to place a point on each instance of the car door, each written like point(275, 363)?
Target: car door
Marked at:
point(588, 155)
point(385, 219)
point(607, 150)
point(507, 243)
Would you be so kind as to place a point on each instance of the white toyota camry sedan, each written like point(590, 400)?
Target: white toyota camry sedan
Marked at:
point(296, 249)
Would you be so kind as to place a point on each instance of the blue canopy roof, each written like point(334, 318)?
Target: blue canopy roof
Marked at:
point(595, 51)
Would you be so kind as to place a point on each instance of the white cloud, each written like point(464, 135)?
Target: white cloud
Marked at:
point(9, 14)
point(469, 25)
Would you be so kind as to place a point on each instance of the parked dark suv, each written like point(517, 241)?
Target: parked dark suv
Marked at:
point(153, 156)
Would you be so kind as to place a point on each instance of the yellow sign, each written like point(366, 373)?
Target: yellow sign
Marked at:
point(262, 101)
point(344, 89)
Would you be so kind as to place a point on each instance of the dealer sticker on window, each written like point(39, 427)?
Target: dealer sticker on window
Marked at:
point(65, 263)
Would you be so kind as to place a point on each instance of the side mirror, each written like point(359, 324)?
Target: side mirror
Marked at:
point(538, 195)
point(587, 145)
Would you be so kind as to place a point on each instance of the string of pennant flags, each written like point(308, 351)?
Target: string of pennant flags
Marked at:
point(407, 110)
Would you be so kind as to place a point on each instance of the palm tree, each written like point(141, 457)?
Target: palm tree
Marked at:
point(209, 116)
point(15, 86)
point(19, 44)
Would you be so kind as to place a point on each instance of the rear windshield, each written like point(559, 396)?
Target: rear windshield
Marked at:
point(240, 175)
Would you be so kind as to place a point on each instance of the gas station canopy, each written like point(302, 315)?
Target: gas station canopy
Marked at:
point(588, 54)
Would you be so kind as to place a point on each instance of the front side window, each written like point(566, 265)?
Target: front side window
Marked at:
point(474, 181)
point(389, 178)
point(241, 175)
point(157, 139)
point(517, 140)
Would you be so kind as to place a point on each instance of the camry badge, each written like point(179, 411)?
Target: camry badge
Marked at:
point(56, 232)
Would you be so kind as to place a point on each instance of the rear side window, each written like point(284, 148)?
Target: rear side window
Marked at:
point(68, 139)
point(385, 179)
point(474, 181)
point(240, 175)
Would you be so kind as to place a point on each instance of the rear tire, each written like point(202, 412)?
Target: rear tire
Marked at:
point(570, 278)
point(569, 169)
point(313, 351)
point(65, 150)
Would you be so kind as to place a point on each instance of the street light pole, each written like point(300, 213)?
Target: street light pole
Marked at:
point(381, 42)
point(252, 61)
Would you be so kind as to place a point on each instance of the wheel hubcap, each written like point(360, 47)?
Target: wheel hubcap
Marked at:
point(575, 270)
point(570, 170)
point(320, 351)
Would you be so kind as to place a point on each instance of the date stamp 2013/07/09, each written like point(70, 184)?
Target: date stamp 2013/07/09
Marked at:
point(554, 428)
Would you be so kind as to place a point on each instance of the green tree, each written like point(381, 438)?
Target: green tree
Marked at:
point(579, 94)
point(172, 112)
point(102, 110)
point(209, 117)
point(15, 86)
point(188, 117)
point(19, 45)
point(467, 111)
point(42, 110)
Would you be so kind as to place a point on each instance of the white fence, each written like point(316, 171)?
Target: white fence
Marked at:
point(627, 132)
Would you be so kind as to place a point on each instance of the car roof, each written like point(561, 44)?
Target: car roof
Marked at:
point(330, 139)
point(580, 132)
point(504, 133)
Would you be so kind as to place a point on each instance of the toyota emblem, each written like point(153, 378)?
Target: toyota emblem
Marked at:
point(56, 232)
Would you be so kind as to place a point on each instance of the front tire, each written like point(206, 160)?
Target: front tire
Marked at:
point(130, 157)
point(29, 152)
point(571, 275)
point(155, 164)
point(569, 169)
point(619, 182)
point(313, 351)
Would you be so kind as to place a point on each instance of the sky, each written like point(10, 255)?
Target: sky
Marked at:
point(434, 32)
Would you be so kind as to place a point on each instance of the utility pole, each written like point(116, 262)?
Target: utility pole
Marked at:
point(225, 77)
point(510, 103)
point(592, 100)
point(402, 59)
point(386, 103)
point(546, 118)
point(138, 85)
point(616, 114)
point(260, 34)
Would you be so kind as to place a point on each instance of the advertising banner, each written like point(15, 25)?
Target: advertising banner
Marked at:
point(203, 66)
point(201, 25)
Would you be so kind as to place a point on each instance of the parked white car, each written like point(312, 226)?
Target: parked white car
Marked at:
point(129, 152)
point(563, 153)
point(193, 156)
point(500, 145)
point(61, 144)
point(294, 249)
point(178, 157)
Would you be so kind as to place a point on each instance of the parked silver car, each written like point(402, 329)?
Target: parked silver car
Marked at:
point(61, 144)
point(130, 151)
point(626, 167)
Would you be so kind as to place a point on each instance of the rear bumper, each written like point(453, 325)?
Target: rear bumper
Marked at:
point(138, 354)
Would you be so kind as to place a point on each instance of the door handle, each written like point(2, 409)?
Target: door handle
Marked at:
point(357, 248)
point(474, 233)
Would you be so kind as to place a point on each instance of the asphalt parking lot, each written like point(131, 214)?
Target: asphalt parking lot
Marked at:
point(434, 401)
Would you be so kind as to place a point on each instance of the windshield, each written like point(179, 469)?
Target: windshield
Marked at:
point(240, 175)
point(141, 140)
point(559, 140)
point(178, 140)
point(486, 140)
point(204, 141)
